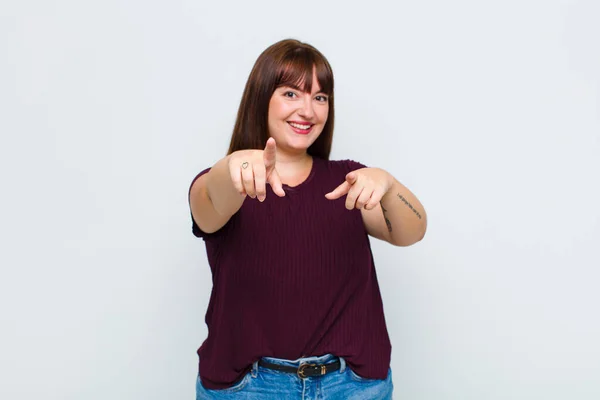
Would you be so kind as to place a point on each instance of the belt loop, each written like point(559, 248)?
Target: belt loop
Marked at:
point(254, 371)
point(342, 365)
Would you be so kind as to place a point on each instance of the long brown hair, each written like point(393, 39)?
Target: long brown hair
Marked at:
point(287, 62)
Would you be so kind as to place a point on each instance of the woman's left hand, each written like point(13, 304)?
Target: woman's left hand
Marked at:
point(365, 188)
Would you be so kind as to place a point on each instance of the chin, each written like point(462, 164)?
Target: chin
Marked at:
point(300, 143)
point(297, 147)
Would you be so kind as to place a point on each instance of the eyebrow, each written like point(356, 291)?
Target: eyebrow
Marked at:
point(296, 87)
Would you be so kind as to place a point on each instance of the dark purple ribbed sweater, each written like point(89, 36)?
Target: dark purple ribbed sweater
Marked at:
point(293, 277)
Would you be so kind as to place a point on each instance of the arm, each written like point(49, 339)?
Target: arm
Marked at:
point(390, 211)
point(220, 193)
point(399, 218)
point(214, 198)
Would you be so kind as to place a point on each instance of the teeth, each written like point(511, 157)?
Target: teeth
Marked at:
point(299, 126)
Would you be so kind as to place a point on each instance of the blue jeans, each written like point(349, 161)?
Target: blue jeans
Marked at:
point(263, 383)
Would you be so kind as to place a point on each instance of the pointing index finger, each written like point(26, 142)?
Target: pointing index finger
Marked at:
point(270, 153)
point(339, 191)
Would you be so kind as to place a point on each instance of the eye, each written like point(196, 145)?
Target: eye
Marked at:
point(289, 94)
point(321, 98)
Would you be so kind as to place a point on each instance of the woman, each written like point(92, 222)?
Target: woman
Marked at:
point(295, 311)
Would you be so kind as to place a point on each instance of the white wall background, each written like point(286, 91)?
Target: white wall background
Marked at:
point(488, 110)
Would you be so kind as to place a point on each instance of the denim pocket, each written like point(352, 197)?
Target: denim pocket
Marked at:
point(358, 378)
point(235, 388)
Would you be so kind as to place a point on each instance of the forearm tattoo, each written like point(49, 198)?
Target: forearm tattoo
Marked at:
point(387, 221)
point(409, 205)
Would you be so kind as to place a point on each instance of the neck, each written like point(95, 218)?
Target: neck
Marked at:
point(292, 164)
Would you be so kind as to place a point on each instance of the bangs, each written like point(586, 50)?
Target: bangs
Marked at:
point(297, 71)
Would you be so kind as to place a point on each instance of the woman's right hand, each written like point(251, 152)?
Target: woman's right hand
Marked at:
point(251, 170)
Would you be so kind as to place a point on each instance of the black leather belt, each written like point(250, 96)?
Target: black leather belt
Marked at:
point(304, 370)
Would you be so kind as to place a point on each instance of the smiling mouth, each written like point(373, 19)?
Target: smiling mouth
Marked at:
point(301, 129)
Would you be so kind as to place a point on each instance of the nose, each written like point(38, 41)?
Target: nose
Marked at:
point(306, 108)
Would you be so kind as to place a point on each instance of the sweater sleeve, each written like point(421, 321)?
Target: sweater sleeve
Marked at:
point(195, 228)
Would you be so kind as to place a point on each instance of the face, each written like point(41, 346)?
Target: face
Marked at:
point(296, 118)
